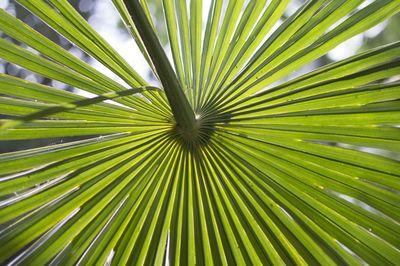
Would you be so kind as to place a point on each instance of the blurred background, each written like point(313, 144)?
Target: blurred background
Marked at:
point(104, 18)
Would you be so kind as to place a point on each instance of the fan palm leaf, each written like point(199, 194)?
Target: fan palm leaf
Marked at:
point(226, 161)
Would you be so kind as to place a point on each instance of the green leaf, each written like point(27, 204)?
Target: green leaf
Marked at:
point(231, 162)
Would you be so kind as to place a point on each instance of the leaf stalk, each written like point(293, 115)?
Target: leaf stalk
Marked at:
point(180, 106)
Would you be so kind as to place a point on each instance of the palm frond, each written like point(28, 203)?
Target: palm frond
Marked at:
point(228, 161)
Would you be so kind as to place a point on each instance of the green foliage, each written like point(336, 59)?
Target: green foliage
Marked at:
point(224, 162)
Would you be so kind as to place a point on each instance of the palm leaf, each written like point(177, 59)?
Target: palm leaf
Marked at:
point(226, 161)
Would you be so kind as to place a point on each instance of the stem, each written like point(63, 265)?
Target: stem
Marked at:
point(181, 109)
